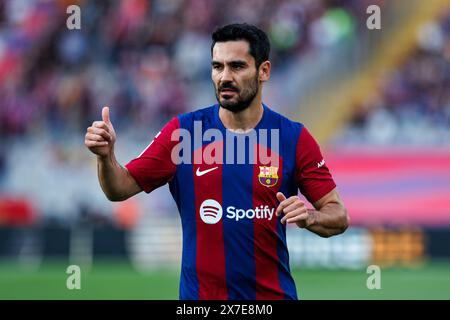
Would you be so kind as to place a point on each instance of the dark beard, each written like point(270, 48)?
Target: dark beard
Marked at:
point(244, 98)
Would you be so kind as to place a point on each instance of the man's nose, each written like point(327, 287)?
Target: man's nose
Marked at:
point(226, 75)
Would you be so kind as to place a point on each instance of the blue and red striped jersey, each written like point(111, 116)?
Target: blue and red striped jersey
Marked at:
point(234, 246)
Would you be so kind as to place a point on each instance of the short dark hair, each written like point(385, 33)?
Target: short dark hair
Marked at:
point(257, 39)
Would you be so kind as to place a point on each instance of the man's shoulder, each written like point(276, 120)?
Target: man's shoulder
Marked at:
point(283, 121)
point(204, 114)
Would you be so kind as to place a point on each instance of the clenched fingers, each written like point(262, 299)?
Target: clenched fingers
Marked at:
point(101, 125)
point(295, 215)
point(94, 137)
point(284, 204)
point(295, 205)
point(93, 143)
point(101, 132)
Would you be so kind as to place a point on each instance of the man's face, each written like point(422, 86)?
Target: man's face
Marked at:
point(234, 75)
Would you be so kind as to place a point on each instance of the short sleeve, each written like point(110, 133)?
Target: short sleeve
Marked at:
point(312, 175)
point(154, 166)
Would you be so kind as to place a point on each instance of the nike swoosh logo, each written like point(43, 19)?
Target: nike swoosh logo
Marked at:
point(199, 173)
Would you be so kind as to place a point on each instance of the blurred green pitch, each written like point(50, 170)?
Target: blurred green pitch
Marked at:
point(113, 280)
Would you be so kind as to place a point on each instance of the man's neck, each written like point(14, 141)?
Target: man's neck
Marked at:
point(244, 120)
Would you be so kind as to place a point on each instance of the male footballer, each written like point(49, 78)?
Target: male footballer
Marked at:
point(233, 213)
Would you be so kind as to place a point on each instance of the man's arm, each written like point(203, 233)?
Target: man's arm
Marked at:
point(329, 217)
point(115, 180)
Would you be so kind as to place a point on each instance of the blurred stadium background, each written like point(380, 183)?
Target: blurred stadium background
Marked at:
point(378, 102)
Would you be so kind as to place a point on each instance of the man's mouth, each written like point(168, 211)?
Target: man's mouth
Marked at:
point(228, 91)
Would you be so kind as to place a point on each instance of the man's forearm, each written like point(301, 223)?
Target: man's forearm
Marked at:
point(331, 220)
point(114, 179)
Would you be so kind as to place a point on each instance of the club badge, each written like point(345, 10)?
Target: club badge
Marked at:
point(268, 176)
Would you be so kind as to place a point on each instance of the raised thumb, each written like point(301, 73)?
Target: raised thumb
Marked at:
point(105, 115)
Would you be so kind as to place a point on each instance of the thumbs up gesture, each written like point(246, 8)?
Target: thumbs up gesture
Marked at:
point(100, 137)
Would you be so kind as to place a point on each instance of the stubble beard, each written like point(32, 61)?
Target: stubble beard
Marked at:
point(243, 98)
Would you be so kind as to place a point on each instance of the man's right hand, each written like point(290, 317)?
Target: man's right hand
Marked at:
point(100, 137)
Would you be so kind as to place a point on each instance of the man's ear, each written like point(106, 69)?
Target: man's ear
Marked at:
point(264, 71)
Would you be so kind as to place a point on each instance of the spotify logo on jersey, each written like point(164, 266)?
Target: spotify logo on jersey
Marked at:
point(210, 211)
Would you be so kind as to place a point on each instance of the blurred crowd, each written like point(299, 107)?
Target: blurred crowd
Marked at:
point(412, 104)
point(143, 58)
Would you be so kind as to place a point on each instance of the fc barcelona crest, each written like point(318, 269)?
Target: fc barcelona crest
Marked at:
point(268, 176)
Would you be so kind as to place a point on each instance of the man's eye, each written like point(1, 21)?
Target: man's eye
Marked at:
point(216, 67)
